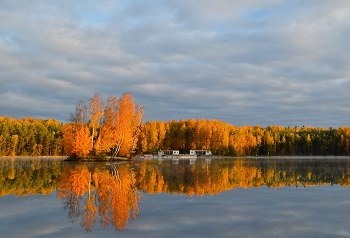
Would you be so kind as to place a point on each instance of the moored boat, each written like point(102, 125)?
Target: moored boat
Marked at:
point(175, 154)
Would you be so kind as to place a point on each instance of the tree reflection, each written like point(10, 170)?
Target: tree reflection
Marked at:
point(111, 196)
point(221, 175)
point(26, 176)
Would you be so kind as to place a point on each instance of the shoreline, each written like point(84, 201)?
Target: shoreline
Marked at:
point(199, 157)
point(38, 156)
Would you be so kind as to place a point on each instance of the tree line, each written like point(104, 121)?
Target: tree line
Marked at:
point(30, 137)
point(98, 126)
point(225, 139)
point(92, 130)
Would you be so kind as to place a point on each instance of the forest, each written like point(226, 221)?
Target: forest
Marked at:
point(30, 137)
point(44, 137)
point(96, 127)
point(90, 132)
point(230, 140)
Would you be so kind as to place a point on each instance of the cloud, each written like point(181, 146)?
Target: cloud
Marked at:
point(240, 62)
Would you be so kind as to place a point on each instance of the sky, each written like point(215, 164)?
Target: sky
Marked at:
point(242, 62)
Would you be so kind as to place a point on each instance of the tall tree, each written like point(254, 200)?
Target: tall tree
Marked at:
point(107, 137)
point(79, 116)
point(95, 115)
point(128, 123)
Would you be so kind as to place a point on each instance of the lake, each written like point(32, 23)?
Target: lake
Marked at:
point(204, 197)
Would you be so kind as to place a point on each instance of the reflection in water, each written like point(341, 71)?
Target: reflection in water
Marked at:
point(28, 176)
point(111, 194)
point(218, 175)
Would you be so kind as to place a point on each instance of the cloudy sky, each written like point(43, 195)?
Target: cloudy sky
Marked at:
point(243, 62)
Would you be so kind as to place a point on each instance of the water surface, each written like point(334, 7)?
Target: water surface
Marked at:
point(240, 197)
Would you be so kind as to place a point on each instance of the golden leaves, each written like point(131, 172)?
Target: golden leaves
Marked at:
point(76, 140)
point(74, 181)
point(117, 197)
point(118, 121)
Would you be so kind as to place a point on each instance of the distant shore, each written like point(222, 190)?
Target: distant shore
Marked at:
point(28, 156)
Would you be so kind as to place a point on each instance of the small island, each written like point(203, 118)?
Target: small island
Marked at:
point(109, 133)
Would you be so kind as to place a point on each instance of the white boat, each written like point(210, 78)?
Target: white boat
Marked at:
point(175, 154)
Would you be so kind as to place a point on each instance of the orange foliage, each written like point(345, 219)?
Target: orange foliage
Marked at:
point(128, 122)
point(76, 140)
point(89, 214)
point(200, 180)
point(200, 134)
point(74, 181)
point(96, 114)
point(102, 181)
point(120, 123)
point(150, 179)
point(107, 137)
point(126, 110)
point(117, 196)
point(82, 145)
point(68, 139)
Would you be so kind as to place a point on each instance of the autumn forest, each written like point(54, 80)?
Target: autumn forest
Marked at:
point(97, 126)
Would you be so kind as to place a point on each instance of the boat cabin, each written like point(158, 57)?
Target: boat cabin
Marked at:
point(168, 152)
point(200, 152)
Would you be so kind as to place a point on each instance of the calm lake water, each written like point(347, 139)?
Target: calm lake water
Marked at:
point(240, 197)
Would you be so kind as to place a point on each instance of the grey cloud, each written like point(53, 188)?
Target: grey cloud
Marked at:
point(241, 62)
